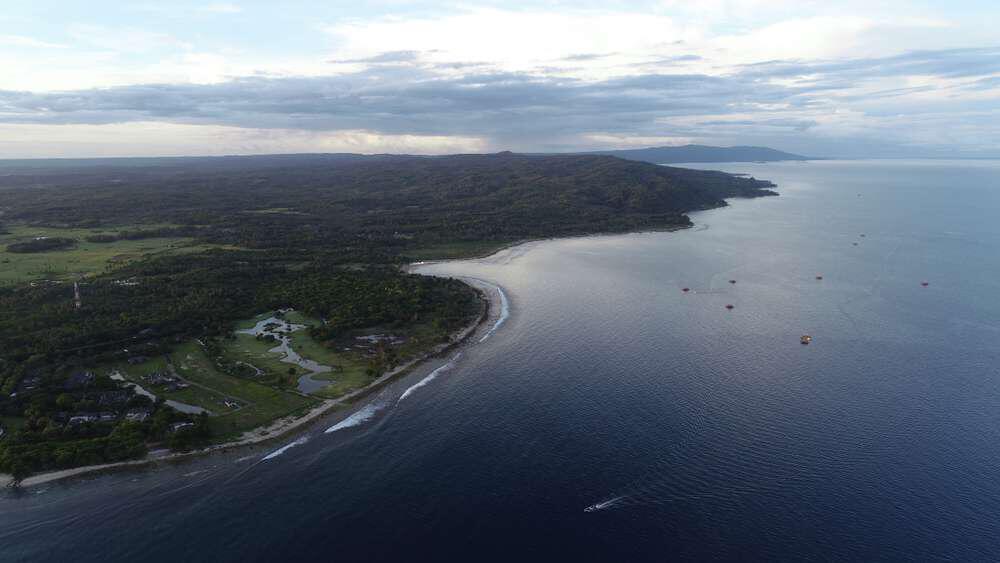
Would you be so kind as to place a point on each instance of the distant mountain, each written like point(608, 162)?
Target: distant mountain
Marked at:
point(702, 153)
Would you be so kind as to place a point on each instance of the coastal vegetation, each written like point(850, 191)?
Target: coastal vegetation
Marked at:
point(174, 262)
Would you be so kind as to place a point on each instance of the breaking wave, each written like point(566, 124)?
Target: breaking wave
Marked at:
point(360, 417)
point(430, 377)
point(504, 313)
point(285, 448)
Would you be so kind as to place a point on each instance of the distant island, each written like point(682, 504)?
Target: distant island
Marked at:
point(182, 303)
point(702, 153)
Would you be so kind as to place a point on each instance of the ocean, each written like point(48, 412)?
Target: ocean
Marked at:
point(613, 416)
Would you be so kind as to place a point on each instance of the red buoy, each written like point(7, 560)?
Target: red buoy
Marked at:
point(730, 307)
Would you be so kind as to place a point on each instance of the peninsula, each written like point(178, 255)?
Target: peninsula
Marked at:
point(188, 303)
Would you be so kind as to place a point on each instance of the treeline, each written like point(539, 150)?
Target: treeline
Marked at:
point(42, 244)
point(162, 232)
point(201, 295)
point(382, 205)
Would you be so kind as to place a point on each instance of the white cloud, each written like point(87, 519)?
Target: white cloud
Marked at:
point(31, 42)
point(172, 139)
point(221, 8)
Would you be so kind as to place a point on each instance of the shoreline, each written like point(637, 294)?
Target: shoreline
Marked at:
point(408, 268)
point(288, 425)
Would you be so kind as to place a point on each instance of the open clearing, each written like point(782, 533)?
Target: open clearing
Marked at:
point(251, 404)
point(87, 258)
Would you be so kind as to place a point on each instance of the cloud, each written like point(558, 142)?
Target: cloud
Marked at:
point(30, 42)
point(221, 8)
point(529, 111)
point(529, 77)
point(382, 58)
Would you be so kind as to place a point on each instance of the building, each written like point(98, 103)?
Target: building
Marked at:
point(80, 380)
point(137, 415)
point(180, 426)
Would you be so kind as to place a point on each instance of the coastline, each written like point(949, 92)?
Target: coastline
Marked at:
point(288, 425)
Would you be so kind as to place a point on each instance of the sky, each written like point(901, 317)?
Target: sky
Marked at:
point(870, 79)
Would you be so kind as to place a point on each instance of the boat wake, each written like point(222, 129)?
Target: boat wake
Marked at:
point(430, 377)
point(285, 448)
point(356, 419)
point(610, 503)
point(504, 313)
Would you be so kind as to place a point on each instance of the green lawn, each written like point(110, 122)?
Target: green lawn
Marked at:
point(246, 348)
point(11, 423)
point(349, 366)
point(196, 396)
point(261, 404)
point(210, 388)
point(87, 258)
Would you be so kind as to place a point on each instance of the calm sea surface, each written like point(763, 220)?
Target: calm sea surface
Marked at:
point(613, 417)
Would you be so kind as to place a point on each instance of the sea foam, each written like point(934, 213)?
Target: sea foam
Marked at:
point(504, 313)
point(285, 448)
point(360, 417)
point(430, 377)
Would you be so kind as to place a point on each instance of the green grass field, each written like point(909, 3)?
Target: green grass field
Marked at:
point(87, 258)
point(11, 424)
point(260, 404)
point(210, 389)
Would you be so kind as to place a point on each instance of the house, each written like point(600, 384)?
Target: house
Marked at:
point(113, 398)
point(79, 380)
point(160, 378)
point(137, 415)
point(180, 426)
point(83, 418)
point(30, 383)
point(107, 417)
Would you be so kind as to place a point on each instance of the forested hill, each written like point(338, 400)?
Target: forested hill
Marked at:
point(107, 264)
point(391, 202)
point(702, 153)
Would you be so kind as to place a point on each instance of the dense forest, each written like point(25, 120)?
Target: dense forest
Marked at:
point(323, 234)
point(379, 205)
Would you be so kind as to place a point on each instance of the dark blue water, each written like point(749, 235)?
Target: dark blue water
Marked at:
point(691, 431)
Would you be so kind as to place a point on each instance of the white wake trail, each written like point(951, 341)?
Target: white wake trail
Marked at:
point(610, 503)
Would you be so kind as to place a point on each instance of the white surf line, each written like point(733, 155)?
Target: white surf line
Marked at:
point(356, 419)
point(285, 448)
point(430, 377)
point(504, 313)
